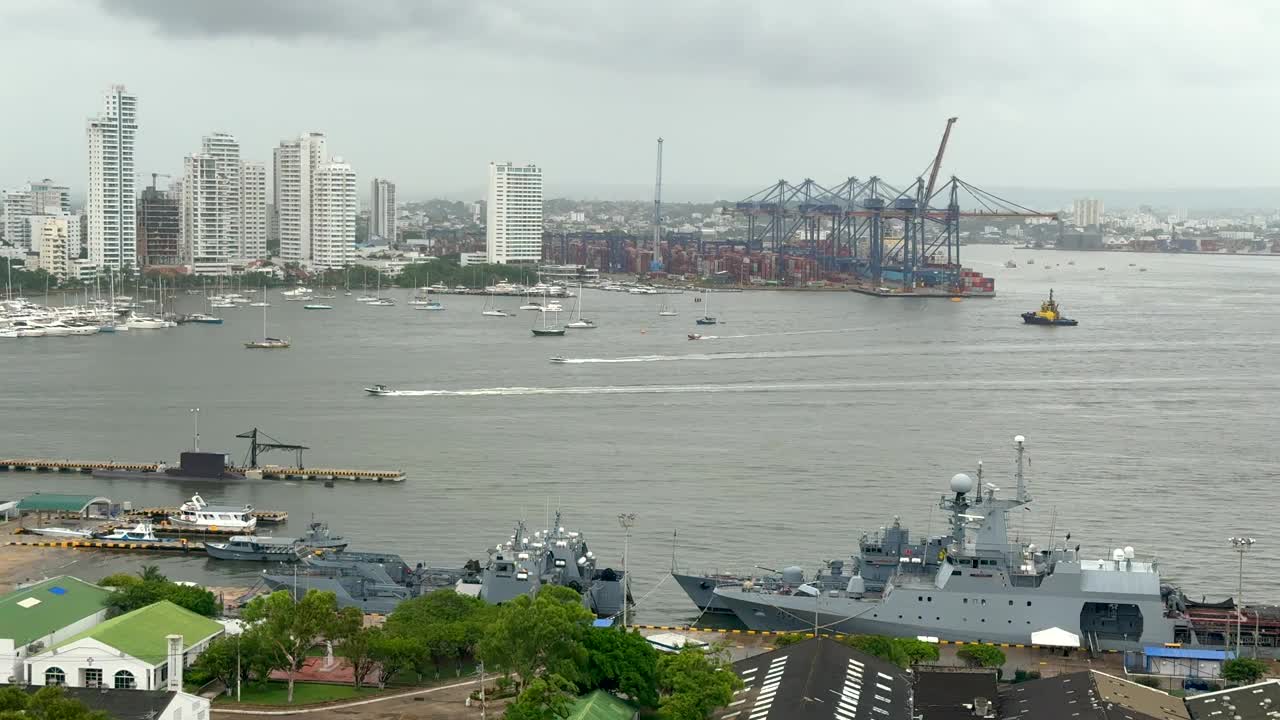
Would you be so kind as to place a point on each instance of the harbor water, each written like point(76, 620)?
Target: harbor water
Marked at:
point(800, 422)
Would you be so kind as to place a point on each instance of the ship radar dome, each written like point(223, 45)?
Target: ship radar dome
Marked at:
point(961, 483)
point(1117, 554)
point(1019, 439)
point(1128, 552)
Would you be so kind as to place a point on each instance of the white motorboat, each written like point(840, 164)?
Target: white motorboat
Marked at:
point(379, 390)
point(495, 313)
point(197, 514)
point(255, 304)
point(317, 306)
point(366, 298)
point(57, 532)
point(430, 305)
point(140, 322)
point(552, 307)
point(142, 532)
point(381, 302)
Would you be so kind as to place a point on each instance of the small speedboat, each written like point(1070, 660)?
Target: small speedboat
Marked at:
point(63, 533)
point(695, 336)
point(559, 359)
point(495, 313)
point(379, 390)
point(318, 306)
point(706, 320)
point(202, 318)
point(381, 302)
point(142, 532)
point(431, 305)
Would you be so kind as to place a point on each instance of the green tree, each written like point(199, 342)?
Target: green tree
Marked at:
point(293, 628)
point(151, 573)
point(694, 682)
point(217, 662)
point(988, 656)
point(394, 653)
point(1243, 670)
point(782, 641)
point(357, 648)
point(879, 646)
point(141, 593)
point(538, 635)
point(544, 698)
point(47, 703)
point(449, 626)
point(917, 651)
point(119, 580)
point(621, 661)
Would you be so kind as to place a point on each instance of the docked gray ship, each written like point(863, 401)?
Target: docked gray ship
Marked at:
point(974, 584)
point(377, 582)
point(556, 556)
point(374, 582)
point(262, 548)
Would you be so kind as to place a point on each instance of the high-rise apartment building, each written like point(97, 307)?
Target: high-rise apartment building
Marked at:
point(55, 234)
point(36, 225)
point(513, 229)
point(382, 210)
point(206, 245)
point(111, 206)
point(333, 221)
point(295, 162)
point(1087, 212)
point(37, 198)
point(225, 151)
point(159, 227)
point(253, 210)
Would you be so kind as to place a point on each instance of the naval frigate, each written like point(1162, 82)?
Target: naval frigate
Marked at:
point(974, 584)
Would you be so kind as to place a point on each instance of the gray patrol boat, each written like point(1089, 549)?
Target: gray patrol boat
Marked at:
point(974, 584)
point(263, 548)
point(557, 556)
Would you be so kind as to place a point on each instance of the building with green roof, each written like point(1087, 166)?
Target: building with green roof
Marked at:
point(600, 705)
point(57, 503)
point(35, 618)
point(145, 650)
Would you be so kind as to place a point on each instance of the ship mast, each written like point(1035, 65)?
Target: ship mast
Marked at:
point(1023, 497)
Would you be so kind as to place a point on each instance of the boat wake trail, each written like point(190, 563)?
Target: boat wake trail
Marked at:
point(707, 356)
point(888, 386)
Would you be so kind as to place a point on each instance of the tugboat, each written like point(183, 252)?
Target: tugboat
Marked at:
point(1048, 314)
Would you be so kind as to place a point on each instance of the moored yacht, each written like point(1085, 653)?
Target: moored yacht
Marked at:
point(200, 515)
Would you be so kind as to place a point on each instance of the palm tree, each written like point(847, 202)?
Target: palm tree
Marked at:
point(151, 572)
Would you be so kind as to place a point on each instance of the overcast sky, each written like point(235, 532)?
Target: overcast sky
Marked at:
point(1063, 94)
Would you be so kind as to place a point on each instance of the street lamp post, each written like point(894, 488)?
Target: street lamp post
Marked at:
point(1241, 546)
point(626, 520)
point(195, 419)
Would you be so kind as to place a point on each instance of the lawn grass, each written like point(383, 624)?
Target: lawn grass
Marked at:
point(276, 693)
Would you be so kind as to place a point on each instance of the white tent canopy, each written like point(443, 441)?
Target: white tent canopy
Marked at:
point(1055, 637)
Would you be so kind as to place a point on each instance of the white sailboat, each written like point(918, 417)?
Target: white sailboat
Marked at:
point(579, 323)
point(267, 342)
point(707, 318)
point(491, 308)
point(666, 309)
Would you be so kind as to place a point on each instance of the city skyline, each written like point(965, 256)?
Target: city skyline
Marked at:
point(1043, 98)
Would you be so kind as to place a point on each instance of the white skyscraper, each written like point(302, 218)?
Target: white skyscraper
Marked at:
point(295, 163)
point(253, 209)
point(111, 197)
point(225, 151)
point(382, 210)
point(333, 219)
point(204, 241)
point(513, 230)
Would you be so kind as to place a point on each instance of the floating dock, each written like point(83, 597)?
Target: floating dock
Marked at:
point(174, 546)
point(271, 472)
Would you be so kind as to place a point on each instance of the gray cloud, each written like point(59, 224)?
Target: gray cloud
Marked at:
point(896, 49)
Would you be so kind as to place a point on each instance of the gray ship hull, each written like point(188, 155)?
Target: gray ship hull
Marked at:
point(701, 590)
point(220, 551)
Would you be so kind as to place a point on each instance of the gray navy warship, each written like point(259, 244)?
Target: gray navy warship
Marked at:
point(974, 584)
point(377, 582)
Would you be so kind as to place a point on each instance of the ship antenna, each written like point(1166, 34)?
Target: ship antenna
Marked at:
point(674, 535)
point(979, 495)
point(1018, 443)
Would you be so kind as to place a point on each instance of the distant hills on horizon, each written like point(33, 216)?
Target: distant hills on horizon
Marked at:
point(1264, 200)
